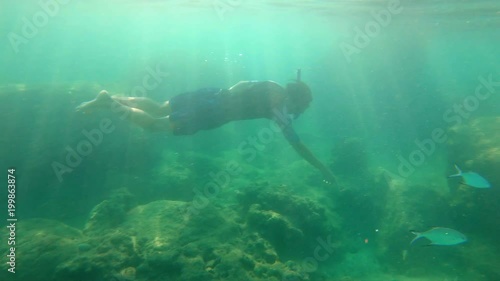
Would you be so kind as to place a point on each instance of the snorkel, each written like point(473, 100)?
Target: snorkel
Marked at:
point(298, 78)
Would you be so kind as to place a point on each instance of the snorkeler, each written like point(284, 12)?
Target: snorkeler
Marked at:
point(209, 108)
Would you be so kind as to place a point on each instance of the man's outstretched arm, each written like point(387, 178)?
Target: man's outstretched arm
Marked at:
point(303, 151)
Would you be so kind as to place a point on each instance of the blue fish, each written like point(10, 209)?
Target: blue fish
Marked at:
point(472, 179)
point(440, 236)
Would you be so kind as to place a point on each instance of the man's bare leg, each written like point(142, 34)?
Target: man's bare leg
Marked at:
point(149, 106)
point(134, 115)
point(102, 100)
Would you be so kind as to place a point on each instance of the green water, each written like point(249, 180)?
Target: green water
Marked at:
point(402, 91)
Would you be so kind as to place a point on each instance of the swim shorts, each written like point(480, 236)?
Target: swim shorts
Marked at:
point(198, 110)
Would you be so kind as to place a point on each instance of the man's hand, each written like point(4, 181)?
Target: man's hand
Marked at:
point(329, 178)
point(309, 157)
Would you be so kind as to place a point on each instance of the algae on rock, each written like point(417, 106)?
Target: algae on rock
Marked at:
point(41, 246)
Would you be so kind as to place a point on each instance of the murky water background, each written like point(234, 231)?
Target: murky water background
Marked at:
point(402, 92)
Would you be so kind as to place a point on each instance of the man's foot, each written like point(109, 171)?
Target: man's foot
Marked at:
point(102, 100)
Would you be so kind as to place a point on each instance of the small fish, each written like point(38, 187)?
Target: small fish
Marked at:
point(440, 236)
point(472, 179)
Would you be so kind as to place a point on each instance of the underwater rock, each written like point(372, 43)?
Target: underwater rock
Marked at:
point(289, 222)
point(175, 178)
point(128, 273)
point(175, 244)
point(108, 256)
point(277, 229)
point(109, 213)
point(475, 145)
point(84, 247)
point(259, 250)
point(173, 181)
point(41, 245)
point(105, 215)
point(350, 158)
point(162, 240)
point(405, 206)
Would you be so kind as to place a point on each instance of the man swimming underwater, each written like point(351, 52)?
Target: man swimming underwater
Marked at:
point(209, 108)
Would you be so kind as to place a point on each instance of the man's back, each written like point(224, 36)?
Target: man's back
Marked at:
point(253, 99)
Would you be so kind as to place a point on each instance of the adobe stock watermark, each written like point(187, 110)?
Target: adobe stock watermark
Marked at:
point(222, 7)
point(322, 252)
point(454, 116)
point(30, 28)
point(150, 81)
point(93, 138)
point(85, 147)
point(249, 149)
point(363, 37)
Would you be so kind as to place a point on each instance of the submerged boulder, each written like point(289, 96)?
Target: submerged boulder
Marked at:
point(475, 145)
point(291, 224)
point(177, 244)
point(41, 246)
point(163, 240)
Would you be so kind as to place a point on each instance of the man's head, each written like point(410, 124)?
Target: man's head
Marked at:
point(298, 97)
